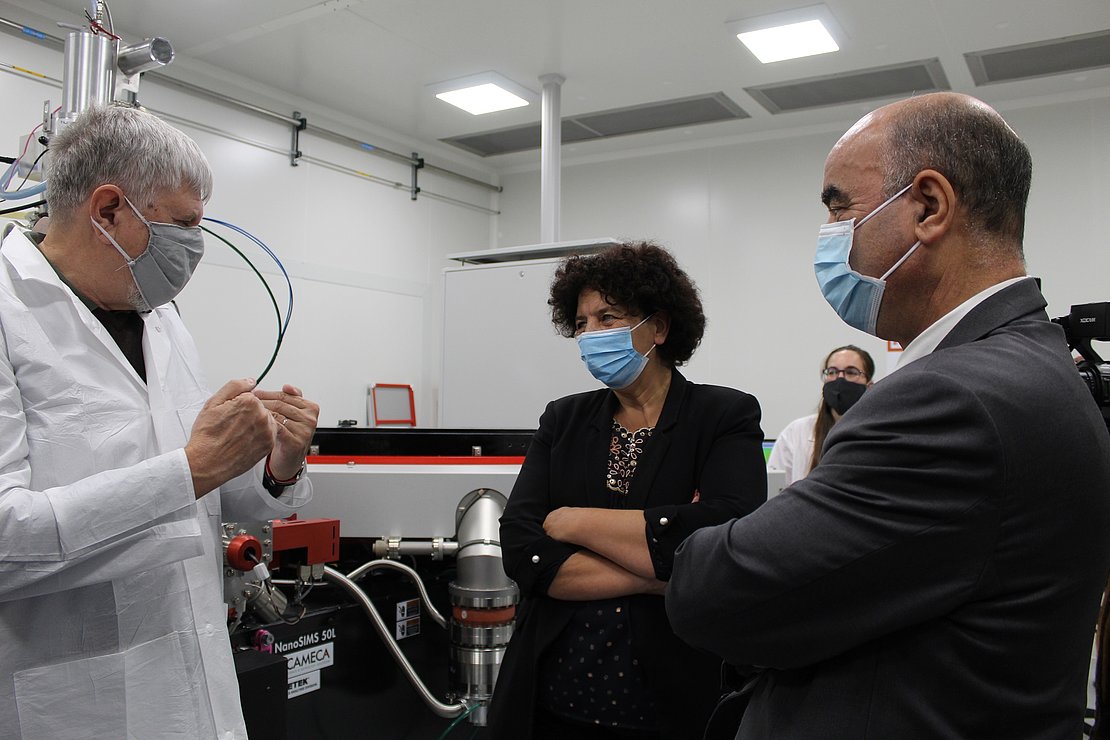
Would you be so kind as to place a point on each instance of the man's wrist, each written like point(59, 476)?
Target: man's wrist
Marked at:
point(276, 485)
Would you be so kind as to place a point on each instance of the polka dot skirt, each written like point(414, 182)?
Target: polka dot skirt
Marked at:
point(590, 673)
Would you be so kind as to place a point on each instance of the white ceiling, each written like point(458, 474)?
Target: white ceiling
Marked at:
point(372, 59)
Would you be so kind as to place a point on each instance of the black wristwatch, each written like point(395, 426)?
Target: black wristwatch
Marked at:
point(277, 487)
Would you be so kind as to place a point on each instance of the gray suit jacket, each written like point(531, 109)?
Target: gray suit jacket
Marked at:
point(938, 574)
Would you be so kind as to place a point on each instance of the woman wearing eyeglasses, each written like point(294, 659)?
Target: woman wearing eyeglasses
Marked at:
point(848, 371)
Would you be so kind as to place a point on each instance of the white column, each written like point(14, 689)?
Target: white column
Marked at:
point(551, 143)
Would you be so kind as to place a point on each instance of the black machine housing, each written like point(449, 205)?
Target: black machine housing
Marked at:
point(1085, 323)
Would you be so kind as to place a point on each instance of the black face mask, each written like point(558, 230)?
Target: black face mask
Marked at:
point(841, 394)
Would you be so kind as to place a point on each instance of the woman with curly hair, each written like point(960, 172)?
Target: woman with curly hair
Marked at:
point(613, 481)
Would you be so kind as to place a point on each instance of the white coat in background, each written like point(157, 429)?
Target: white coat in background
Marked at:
point(112, 621)
point(794, 448)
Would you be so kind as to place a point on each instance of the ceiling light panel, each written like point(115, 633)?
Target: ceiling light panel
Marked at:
point(487, 92)
point(792, 41)
point(789, 34)
point(479, 99)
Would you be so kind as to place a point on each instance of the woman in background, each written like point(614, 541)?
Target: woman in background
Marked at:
point(613, 482)
point(848, 371)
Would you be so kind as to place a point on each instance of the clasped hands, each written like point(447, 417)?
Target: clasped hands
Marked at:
point(295, 419)
point(239, 425)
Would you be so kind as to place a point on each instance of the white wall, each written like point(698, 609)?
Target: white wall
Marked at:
point(742, 218)
point(366, 260)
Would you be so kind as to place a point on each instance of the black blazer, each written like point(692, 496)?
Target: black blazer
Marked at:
point(707, 440)
point(938, 574)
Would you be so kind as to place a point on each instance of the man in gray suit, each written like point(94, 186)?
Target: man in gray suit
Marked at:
point(938, 574)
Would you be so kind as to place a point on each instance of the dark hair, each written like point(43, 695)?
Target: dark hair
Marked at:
point(641, 277)
point(988, 165)
point(825, 418)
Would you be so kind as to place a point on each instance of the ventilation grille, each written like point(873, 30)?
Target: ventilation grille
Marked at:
point(617, 122)
point(852, 87)
point(1069, 54)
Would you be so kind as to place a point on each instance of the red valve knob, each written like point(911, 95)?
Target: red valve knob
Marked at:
point(244, 552)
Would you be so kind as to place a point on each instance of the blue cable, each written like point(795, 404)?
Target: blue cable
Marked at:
point(274, 257)
point(18, 194)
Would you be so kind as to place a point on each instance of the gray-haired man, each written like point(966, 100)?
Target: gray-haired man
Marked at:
point(116, 464)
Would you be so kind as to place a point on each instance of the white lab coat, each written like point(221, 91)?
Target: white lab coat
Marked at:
point(794, 448)
point(112, 621)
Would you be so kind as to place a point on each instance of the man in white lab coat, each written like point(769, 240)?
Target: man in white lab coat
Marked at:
point(117, 465)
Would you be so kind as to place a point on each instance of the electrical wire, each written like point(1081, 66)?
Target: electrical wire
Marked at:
point(32, 168)
point(97, 28)
point(19, 194)
point(303, 592)
point(14, 167)
point(458, 719)
point(26, 207)
point(269, 292)
point(111, 23)
point(26, 144)
point(294, 620)
point(274, 257)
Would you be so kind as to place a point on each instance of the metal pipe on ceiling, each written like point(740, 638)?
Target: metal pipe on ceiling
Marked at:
point(54, 82)
point(12, 26)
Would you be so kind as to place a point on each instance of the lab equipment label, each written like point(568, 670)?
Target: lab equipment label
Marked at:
point(310, 659)
point(408, 627)
point(309, 638)
point(407, 609)
point(304, 684)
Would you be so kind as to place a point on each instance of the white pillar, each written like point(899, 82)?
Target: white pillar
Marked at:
point(551, 143)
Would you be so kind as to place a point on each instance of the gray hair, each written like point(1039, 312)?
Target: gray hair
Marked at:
point(989, 167)
point(127, 147)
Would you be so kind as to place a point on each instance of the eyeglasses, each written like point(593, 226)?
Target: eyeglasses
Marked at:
point(849, 373)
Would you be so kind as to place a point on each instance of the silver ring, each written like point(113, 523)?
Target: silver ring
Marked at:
point(284, 420)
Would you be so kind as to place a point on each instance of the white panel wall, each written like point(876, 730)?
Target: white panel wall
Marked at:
point(742, 218)
point(503, 360)
point(366, 260)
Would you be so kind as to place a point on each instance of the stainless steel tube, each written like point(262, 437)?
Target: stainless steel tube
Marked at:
point(151, 54)
point(413, 576)
point(443, 710)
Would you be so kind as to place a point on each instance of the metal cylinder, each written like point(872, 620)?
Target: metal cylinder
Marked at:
point(151, 54)
point(270, 603)
point(483, 602)
point(89, 78)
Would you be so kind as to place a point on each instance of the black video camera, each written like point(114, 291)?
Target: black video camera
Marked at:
point(1086, 323)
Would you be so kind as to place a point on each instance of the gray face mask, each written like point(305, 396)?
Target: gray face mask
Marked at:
point(162, 270)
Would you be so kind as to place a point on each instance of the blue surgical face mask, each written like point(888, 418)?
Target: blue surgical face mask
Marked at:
point(855, 298)
point(165, 266)
point(610, 356)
